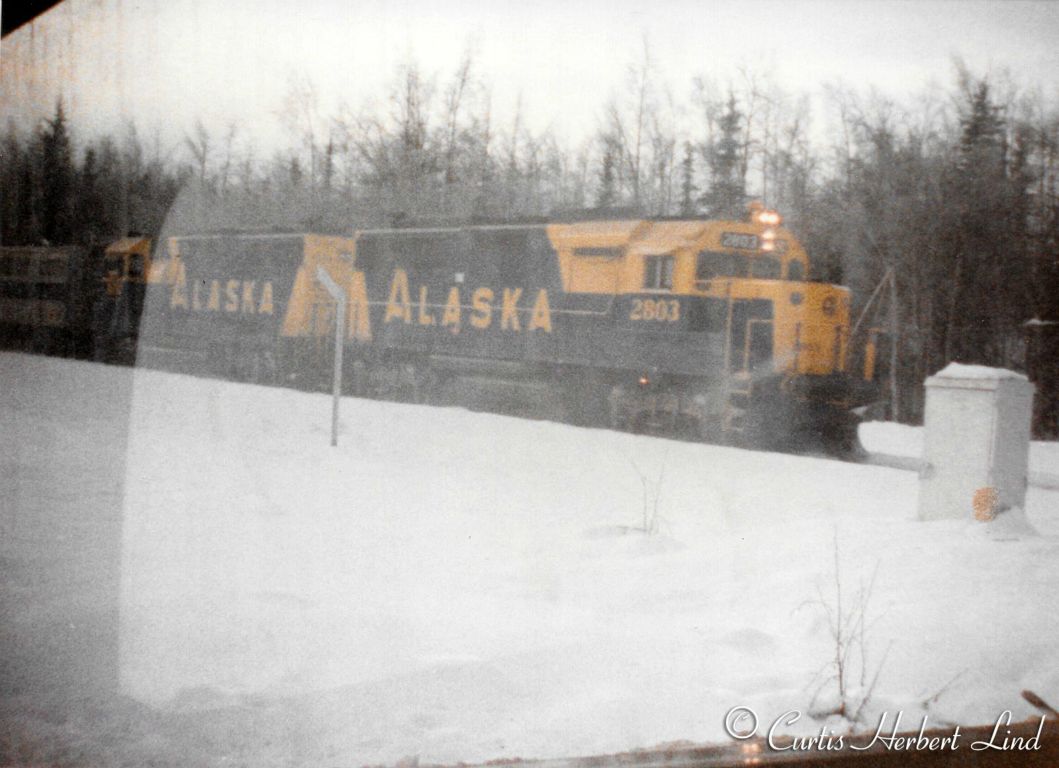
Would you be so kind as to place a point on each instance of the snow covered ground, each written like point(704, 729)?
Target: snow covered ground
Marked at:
point(460, 586)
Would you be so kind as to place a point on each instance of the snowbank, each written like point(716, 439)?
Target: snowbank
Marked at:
point(473, 586)
point(891, 438)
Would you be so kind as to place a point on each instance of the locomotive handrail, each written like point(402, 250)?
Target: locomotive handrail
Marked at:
point(871, 300)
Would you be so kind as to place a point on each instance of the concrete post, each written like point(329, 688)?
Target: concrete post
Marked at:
point(976, 451)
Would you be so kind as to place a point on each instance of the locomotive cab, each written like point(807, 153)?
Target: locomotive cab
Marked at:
point(127, 260)
point(763, 351)
point(762, 279)
point(126, 268)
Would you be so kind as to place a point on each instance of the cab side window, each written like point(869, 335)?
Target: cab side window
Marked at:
point(795, 271)
point(658, 273)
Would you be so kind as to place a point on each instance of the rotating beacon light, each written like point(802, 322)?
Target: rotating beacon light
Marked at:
point(759, 214)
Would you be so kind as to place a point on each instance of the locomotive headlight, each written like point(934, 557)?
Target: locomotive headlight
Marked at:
point(768, 240)
point(644, 381)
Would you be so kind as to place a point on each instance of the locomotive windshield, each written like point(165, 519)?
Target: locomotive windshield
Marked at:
point(712, 264)
point(765, 267)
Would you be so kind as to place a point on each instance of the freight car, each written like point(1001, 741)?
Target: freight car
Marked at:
point(703, 327)
point(73, 301)
point(46, 299)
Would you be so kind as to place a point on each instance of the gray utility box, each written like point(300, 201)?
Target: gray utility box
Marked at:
point(977, 442)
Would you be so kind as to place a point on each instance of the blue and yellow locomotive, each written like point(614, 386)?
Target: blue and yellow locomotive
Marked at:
point(704, 327)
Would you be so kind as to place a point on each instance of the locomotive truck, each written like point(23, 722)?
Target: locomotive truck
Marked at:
point(690, 326)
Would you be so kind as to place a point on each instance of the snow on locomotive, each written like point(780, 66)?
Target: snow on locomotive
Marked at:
point(709, 327)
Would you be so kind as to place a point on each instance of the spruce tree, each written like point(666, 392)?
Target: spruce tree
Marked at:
point(687, 181)
point(11, 191)
point(606, 196)
point(57, 179)
point(726, 195)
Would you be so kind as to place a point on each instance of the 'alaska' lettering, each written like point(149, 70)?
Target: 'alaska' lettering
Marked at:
point(515, 313)
point(246, 297)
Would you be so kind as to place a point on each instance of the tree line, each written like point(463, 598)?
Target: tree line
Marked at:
point(942, 214)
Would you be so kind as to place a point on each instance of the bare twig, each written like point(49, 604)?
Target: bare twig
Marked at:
point(651, 519)
point(848, 624)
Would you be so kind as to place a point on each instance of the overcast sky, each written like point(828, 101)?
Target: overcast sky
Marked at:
point(167, 62)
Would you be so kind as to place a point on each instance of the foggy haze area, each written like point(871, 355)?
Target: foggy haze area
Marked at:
point(517, 533)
